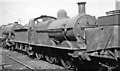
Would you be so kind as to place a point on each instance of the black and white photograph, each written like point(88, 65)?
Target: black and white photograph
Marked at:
point(59, 35)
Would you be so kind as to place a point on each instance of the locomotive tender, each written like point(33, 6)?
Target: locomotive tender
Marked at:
point(80, 42)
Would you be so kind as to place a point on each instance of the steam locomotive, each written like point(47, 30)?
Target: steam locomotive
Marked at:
point(82, 42)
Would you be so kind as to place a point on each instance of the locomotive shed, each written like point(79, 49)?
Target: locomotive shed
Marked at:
point(79, 43)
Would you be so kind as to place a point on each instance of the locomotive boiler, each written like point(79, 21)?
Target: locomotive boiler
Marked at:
point(67, 31)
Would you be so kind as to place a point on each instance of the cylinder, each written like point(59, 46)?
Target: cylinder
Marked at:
point(81, 7)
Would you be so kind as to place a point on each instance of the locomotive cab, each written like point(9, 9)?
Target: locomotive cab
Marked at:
point(38, 27)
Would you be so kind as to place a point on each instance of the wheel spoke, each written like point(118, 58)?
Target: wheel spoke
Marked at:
point(50, 59)
point(66, 64)
point(39, 56)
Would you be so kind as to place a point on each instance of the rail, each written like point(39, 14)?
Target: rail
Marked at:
point(30, 68)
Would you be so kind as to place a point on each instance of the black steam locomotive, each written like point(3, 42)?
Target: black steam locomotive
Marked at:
point(82, 42)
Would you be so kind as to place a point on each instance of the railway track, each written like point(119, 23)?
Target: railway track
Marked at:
point(16, 61)
point(25, 62)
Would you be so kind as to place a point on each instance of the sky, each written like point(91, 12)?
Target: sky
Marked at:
point(23, 10)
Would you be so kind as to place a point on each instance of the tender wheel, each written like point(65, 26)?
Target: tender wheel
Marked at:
point(3, 44)
point(25, 49)
point(39, 56)
point(12, 48)
point(66, 64)
point(21, 48)
point(16, 46)
point(30, 52)
point(50, 59)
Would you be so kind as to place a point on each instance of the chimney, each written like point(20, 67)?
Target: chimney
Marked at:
point(81, 7)
point(117, 5)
